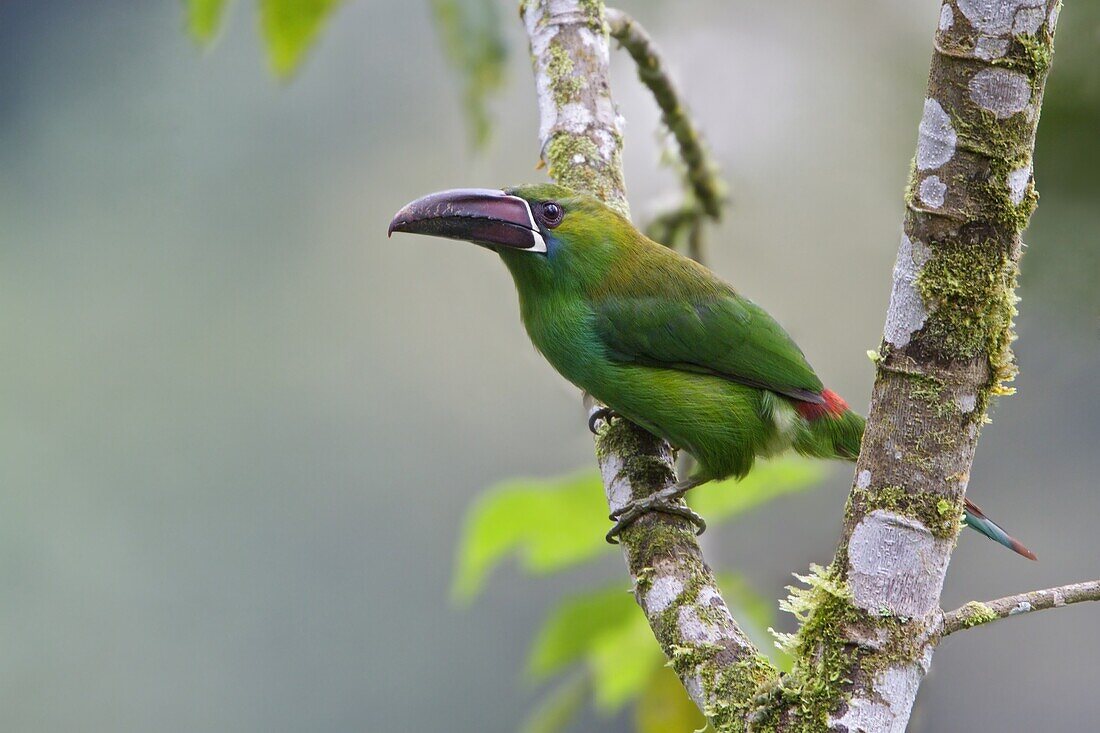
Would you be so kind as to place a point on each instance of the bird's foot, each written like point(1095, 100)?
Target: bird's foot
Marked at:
point(600, 414)
point(666, 501)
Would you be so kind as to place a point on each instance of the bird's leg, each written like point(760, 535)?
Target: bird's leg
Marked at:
point(606, 414)
point(666, 500)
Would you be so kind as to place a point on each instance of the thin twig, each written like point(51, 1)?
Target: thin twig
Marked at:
point(701, 172)
point(669, 226)
point(977, 613)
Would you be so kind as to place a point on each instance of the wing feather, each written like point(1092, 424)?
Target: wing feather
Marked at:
point(721, 334)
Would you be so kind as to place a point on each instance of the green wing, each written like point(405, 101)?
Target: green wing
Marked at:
point(721, 334)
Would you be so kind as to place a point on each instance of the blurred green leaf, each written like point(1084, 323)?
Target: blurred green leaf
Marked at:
point(474, 43)
point(559, 708)
point(664, 707)
point(755, 615)
point(554, 524)
point(573, 627)
point(289, 28)
point(204, 18)
point(622, 661)
point(724, 500)
point(551, 524)
point(607, 631)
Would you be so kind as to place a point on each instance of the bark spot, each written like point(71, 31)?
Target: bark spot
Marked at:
point(618, 490)
point(694, 687)
point(1002, 92)
point(664, 591)
point(896, 565)
point(1002, 17)
point(693, 628)
point(937, 137)
point(895, 689)
point(1017, 184)
point(989, 48)
point(932, 191)
point(907, 313)
point(947, 17)
point(966, 403)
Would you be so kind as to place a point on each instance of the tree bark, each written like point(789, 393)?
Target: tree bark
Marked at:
point(865, 647)
point(977, 613)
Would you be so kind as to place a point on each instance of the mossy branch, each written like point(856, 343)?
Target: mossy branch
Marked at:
point(581, 145)
point(945, 354)
point(682, 227)
point(701, 173)
point(977, 613)
point(580, 133)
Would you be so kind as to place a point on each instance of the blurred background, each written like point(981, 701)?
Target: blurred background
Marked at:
point(240, 427)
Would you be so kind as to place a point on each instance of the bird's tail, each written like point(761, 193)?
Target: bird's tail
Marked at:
point(979, 521)
point(834, 431)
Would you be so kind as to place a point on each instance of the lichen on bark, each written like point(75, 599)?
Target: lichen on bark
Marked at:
point(945, 354)
point(579, 128)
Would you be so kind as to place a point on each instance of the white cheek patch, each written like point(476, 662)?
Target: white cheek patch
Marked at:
point(536, 235)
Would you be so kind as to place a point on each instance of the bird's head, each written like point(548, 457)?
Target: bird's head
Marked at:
point(544, 232)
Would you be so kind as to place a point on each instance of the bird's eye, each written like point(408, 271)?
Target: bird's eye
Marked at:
point(552, 214)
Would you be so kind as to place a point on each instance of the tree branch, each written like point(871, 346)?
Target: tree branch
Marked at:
point(579, 129)
point(945, 354)
point(581, 144)
point(700, 171)
point(977, 613)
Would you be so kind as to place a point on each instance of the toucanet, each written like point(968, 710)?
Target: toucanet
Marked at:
point(656, 337)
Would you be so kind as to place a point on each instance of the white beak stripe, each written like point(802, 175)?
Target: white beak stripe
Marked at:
point(540, 243)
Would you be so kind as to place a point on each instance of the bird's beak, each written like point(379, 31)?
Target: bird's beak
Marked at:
point(482, 216)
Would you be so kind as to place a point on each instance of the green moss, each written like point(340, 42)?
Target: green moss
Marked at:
point(911, 187)
point(983, 133)
point(827, 659)
point(563, 84)
point(942, 517)
point(930, 390)
point(575, 162)
point(1031, 55)
point(594, 11)
point(824, 663)
point(976, 613)
point(735, 689)
point(731, 687)
point(971, 289)
point(659, 538)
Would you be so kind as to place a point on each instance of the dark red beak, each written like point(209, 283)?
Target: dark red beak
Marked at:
point(479, 215)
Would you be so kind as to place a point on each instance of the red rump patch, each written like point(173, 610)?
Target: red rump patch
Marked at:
point(834, 406)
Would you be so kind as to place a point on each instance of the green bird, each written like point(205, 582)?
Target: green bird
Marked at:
point(657, 337)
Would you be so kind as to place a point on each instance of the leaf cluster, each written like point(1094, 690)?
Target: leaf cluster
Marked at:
point(598, 643)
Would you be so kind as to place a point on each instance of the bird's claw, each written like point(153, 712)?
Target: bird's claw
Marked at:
point(630, 513)
point(606, 414)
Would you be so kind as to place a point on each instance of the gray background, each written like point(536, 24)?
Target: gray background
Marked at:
point(240, 427)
